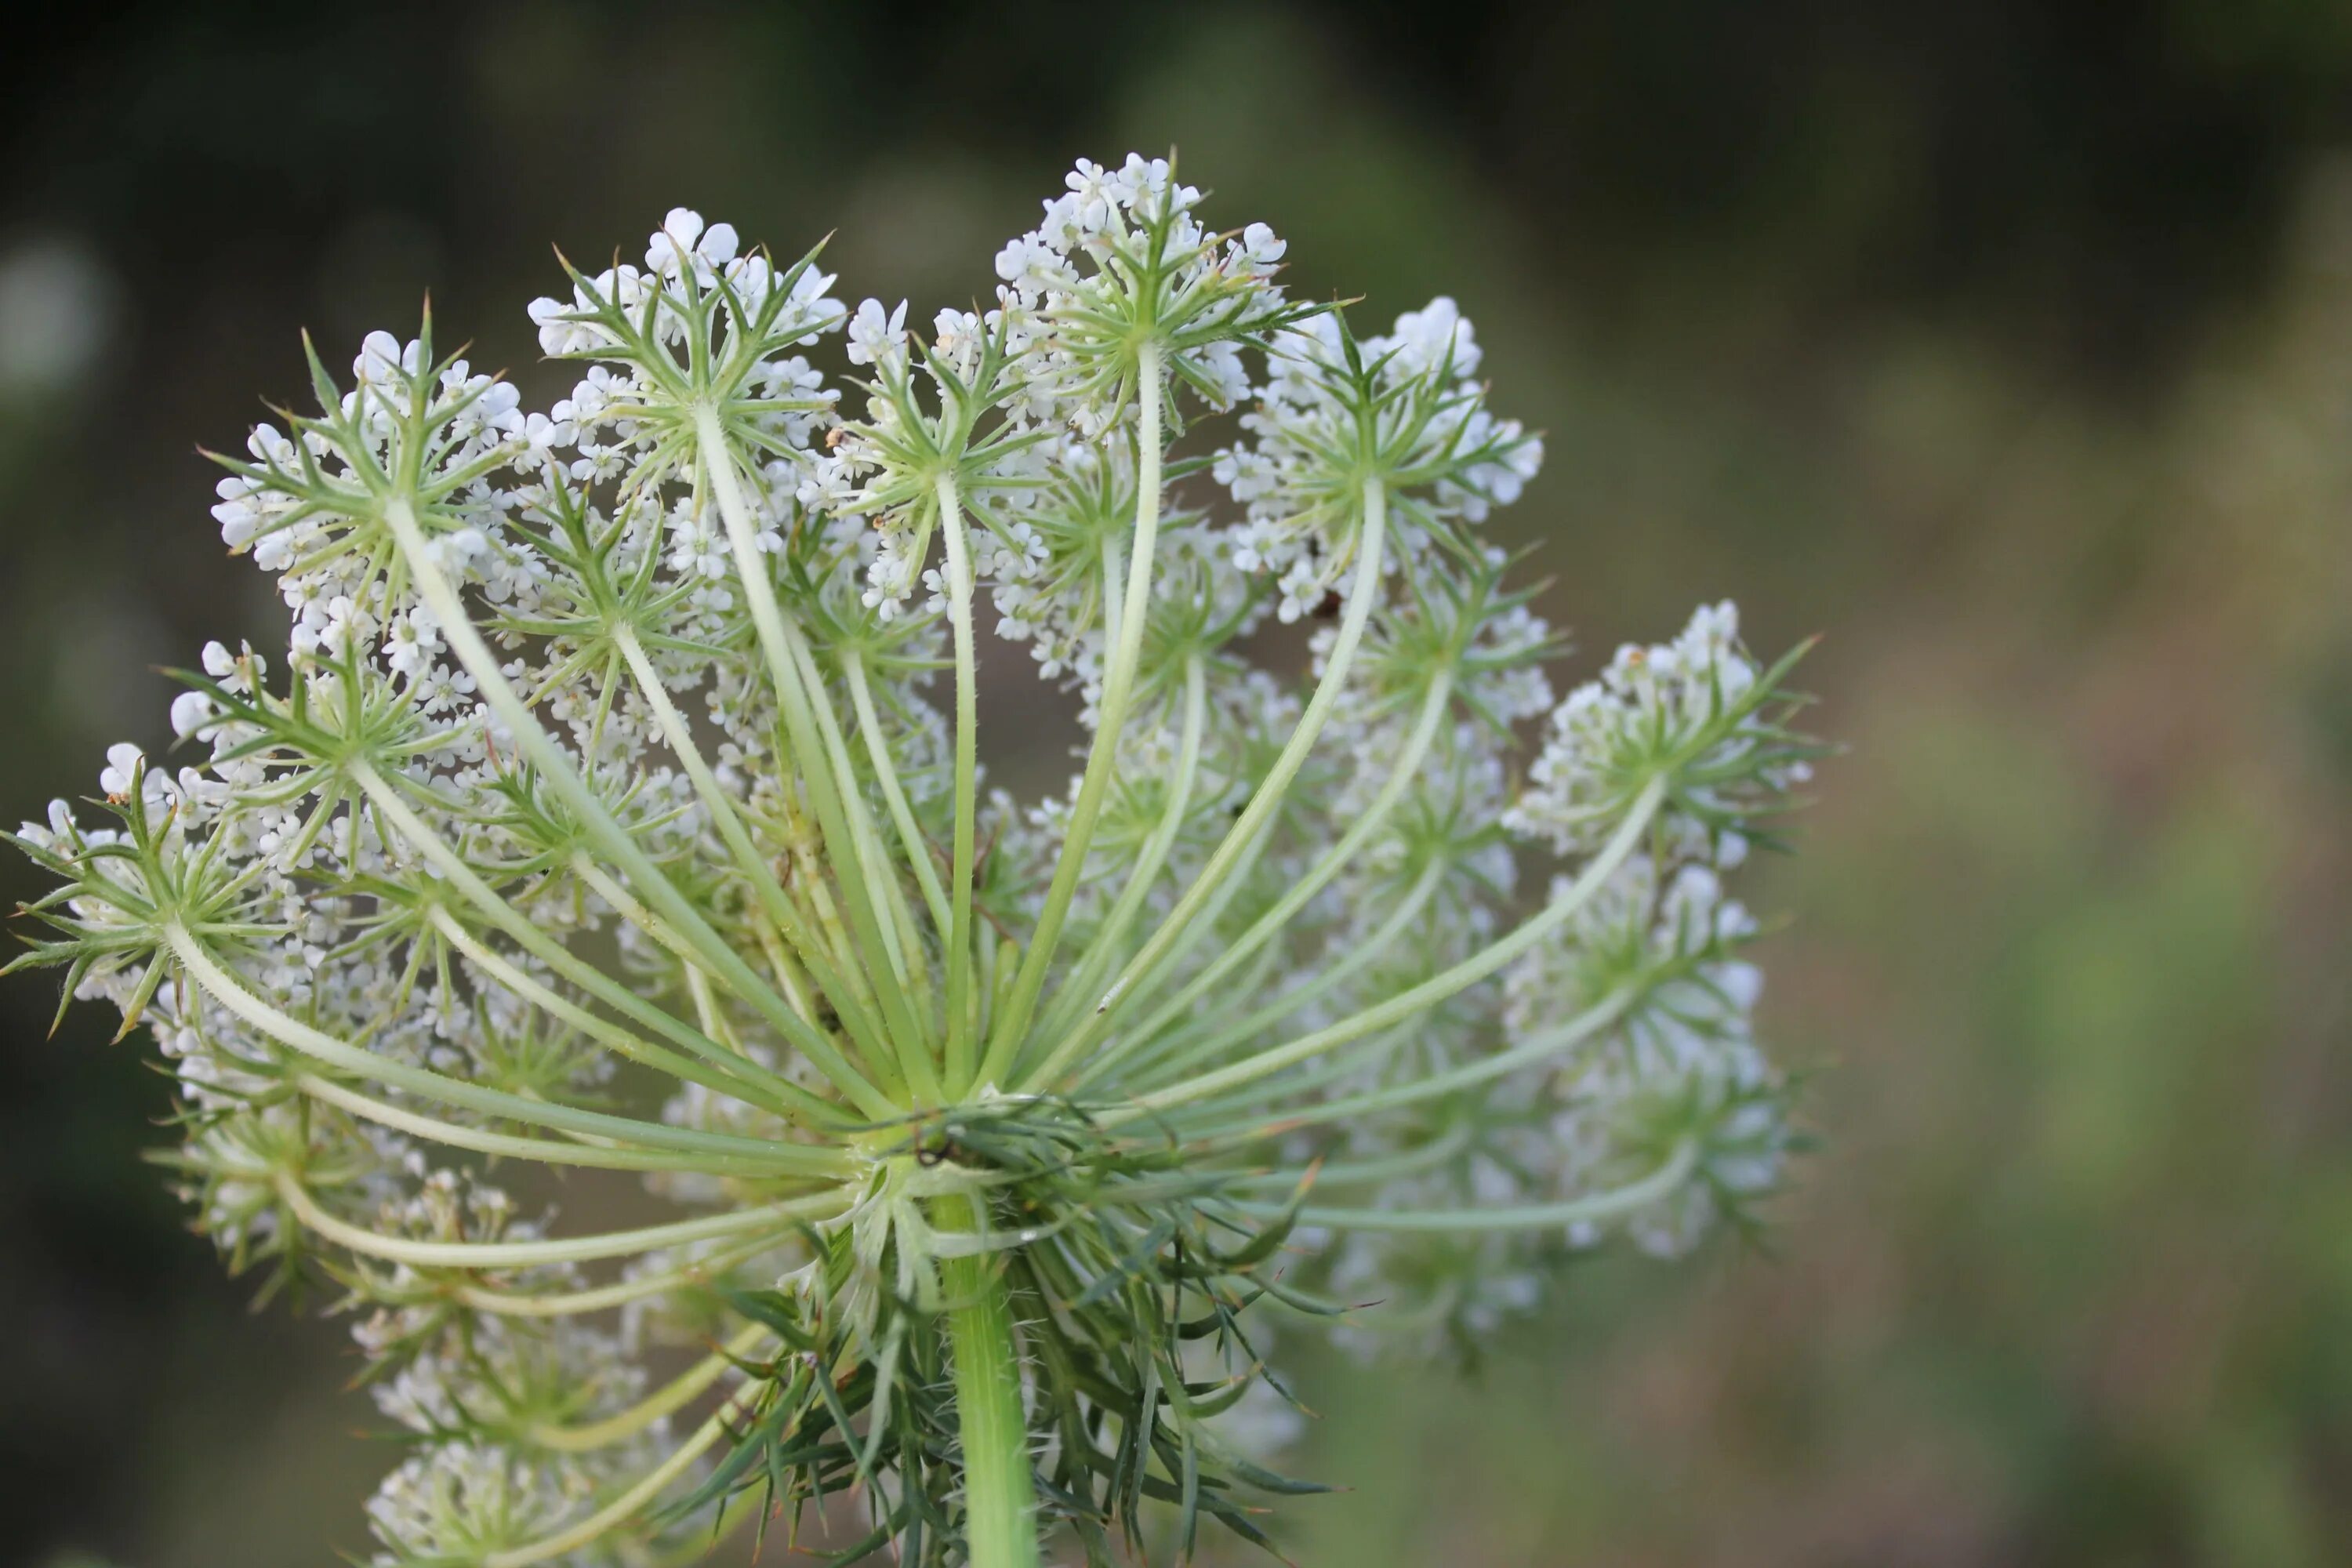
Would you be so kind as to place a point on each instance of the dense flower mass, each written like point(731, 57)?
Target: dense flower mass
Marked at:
point(615, 810)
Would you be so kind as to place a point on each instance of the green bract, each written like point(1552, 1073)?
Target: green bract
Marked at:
point(617, 809)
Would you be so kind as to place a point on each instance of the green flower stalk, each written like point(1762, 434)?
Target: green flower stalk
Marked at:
point(616, 813)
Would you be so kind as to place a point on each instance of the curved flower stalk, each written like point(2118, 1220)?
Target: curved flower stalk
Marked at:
point(615, 810)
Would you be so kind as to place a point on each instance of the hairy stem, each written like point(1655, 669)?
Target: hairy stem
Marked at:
point(999, 1495)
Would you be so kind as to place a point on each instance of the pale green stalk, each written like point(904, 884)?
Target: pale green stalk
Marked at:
point(1591, 1209)
point(806, 708)
point(910, 1046)
point(788, 975)
point(727, 817)
point(565, 1249)
point(881, 888)
point(546, 1151)
point(1437, 1152)
point(713, 1019)
point(628, 1504)
point(1007, 1035)
point(1114, 576)
point(556, 1006)
point(1403, 775)
point(231, 992)
point(1529, 1053)
point(1214, 1043)
point(910, 938)
point(894, 794)
point(759, 1085)
point(1320, 1173)
point(1303, 1083)
point(1105, 943)
point(442, 598)
point(604, 1298)
point(1429, 992)
point(963, 1023)
point(668, 1400)
point(1268, 796)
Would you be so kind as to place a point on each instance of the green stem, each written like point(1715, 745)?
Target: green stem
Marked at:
point(668, 1400)
point(761, 1087)
point(1614, 1202)
point(1104, 945)
point(1118, 683)
point(910, 1044)
point(961, 1023)
point(1181, 1052)
point(728, 819)
point(560, 768)
point(696, 1275)
point(232, 992)
point(999, 1495)
point(556, 1006)
point(626, 1507)
point(1426, 995)
point(1404, 772)
point(808, 718)
point(1584, 1026)
point(545, 1151)
point(894, 794)
point(1362, 594)
point(779, 1216)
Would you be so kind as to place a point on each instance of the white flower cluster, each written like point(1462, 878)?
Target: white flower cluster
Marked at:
point(1334, 410)
point(616, 807)
point(1124, 245)
point(1688, 705)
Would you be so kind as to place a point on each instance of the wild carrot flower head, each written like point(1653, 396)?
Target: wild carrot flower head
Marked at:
point(615, 810)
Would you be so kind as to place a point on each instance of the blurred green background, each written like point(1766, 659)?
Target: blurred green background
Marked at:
point(2008, 344)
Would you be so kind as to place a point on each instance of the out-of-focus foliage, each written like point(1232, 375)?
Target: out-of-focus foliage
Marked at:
point(2011, 349)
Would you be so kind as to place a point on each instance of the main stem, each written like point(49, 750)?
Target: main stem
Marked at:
point(999, 1498)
